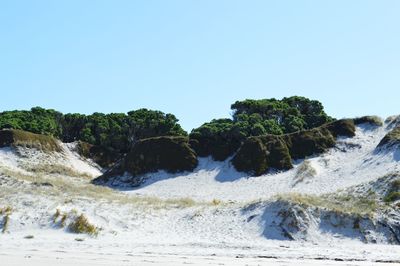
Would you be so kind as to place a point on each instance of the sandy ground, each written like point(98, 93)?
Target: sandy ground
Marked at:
point(172, 260)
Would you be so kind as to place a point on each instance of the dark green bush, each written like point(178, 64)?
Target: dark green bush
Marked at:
point(219, 138)
point(342, 127)
point(306, 143)
point(278, 155)
point(251, 157)
point(222, 137)
point(257, 154)
point(103, 156)
point(172, 154)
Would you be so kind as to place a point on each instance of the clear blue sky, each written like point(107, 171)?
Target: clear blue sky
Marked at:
point(195, 58)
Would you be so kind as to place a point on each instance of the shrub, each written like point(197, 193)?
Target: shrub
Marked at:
point(258, 154)
point(103, 156)
point(172, 154)
point(218, 138)
point(251, 157)
point(306, 143)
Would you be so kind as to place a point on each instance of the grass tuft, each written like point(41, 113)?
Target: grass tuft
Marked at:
point(81, 225)
point(216, 202)
point(57, 169)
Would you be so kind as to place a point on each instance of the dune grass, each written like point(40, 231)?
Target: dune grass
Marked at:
point(366, 205)
point(57, 169)
point(81, 225)
point(14, 137)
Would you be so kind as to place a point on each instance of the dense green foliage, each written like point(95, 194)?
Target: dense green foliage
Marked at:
point(259, 153)
point(37, 120)
point(222, 137)
point(289, 114)
point(169, 153)
point(117, 131)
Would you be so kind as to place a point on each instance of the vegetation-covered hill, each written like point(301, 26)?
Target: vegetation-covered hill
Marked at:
point(116, 131)
point(107, 137)
point(220, 138)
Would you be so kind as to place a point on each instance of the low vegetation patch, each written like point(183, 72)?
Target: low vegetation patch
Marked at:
point(391, 138)
point(56, 169)
point(372, 120)
point(338, 203)
point(19, 138)
point(393, 192)
point(81, 225)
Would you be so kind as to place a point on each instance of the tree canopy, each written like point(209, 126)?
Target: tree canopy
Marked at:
point(116, 130)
